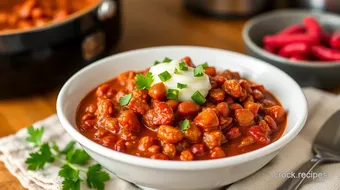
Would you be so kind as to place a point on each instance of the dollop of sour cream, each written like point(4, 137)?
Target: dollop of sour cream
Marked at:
point(201, 83)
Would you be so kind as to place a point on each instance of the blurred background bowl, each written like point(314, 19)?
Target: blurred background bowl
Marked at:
point(306, 73)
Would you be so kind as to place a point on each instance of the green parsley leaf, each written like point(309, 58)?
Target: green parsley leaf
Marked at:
point(156, 63)
point(181, 86)
point(124, 100)
point(144, 82)
point(198, 71)
point(172, 94)
point(184, 125)
point(176, 71)
point(96, 177)
point(166, 60)
point(183, 66)
point(68, 147)
point(164, 76)
point(71, 185)
point(35, 135)
point(77, 156)
point(69, 173)
point(37, 160)
point(198, 97)
point(205, 65)
point(55, 147)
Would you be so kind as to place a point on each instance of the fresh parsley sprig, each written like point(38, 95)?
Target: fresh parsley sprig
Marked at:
point(72, 158)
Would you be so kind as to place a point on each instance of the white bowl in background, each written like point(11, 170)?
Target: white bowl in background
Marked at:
point(180, 175)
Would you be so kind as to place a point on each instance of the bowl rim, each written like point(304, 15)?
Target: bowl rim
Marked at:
point(260, 51)
point(170, 164)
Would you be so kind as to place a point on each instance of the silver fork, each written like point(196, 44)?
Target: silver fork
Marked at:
point(326, 148)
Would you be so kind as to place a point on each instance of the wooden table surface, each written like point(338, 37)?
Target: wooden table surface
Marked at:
point(145, 24)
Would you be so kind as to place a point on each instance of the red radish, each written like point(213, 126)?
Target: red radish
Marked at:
point(299, 57)
point(294, 49)
point(325, 53)
point(292, 29)
point(335, 40)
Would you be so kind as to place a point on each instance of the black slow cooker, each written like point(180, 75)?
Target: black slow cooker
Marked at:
point(40, 59)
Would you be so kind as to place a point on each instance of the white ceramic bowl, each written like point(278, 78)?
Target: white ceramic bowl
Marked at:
point(179, 175)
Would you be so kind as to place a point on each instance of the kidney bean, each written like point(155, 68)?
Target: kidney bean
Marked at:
point(193, 134)
point(173, 104)
point(223, 109)
point(244, 117)
point(276, 112)
point(154, 149)
point(211, 71)
point(188, 62)
point(198, 149)
point(233, 133)
point(129, 121)
point(158, 91)
point(216, 153)
point(105, 108)
point(245, 85)
point(213, 139)
point(246, 141)
point(217, 95)
point(325, 53)
point(233, 88)
point(265, 126)
point(292, 29)
point(271, 122)
point(225, 122)
point(145, 142)
point(207, 120)
point(109, 140)
point(188, 108)
point(219, 80)
point(169, 134)
point(259, 87)
point(257, 94)
point(294, 49)
point(252, 106)
point(182, 145)
point(91, 108)
point(162, 114)
point(186, 155)
point(268, 103)
point(259, 134)
point(169, 150)
point(159, 156)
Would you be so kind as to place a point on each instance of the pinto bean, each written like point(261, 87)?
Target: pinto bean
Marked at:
point(216, 152)
point(214, 138)
point(223, 109)
point(271, 122)
point(217, 95)
point(233, 88)
point(158, 91)
point(193, 134)
point(129, 121)
point(244, 117)
point(245, 85)
point(173, 104)
point(169, 134)
point(159, 156)
point(154, 149)
point(188, 108)
point(145, 142)
point(207, 120)
point(257, 94)
point(252, 106)
point(105, 108)
point(186, 155)
point(162, 114)
point(169, 150)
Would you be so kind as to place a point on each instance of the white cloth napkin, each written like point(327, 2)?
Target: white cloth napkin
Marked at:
point(14, 150)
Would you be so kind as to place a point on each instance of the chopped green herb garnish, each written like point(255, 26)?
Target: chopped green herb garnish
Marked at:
point(164, 76)
point(198, 97)
point(172, 94)
point(184, 125)
point(176, 71)
point(156, 62)
point(205, 65)
point(124, 100)
point(144, 82)
point(183, 66)
point(34, 135)
point(198, 71)
point(181, 86)
point(166, 60)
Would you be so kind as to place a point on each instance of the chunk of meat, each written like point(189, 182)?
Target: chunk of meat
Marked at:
point(217, 94)
point(235, 106)
point(186, 155)
point(198, 149)
point(162, 114)
point(246, 141)
point(100, 133)
point(129, 121)
point(109, 140)
point(211, 71)
point(123, 78)
point(193, 134)
point(102, 90)
point(128, 136)
point(169, 134)
point(154, 149)
point(169, 150)
point(265, 126)
point(120, 146)
point(207, 120)
point(214, 138)
point(223, 109)
point(145, 142)
point(252, 106)
point(138, 102)
point(233, 133)
point(225, 122)
point(188, 62)
point(91, 108)
point(111, 124)
point(260, 134)
point(276, 112)
point(244, 117)
point(105, 108)
point(216, 153)
point(233, 88)
point(158, 91)
point(188, 108)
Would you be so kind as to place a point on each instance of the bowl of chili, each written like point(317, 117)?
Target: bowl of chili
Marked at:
point(43, 42)
point(307, 71)
point(139, 124)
